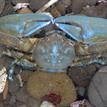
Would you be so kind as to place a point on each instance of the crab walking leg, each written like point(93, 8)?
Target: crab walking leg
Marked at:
point(100, 48)
point(94, 53)
point(14, 42)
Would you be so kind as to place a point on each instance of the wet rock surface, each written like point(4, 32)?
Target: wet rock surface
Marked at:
point(82, 75)
point(97, 88)
point(77, 5)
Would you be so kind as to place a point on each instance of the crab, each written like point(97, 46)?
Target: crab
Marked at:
point(88, 36)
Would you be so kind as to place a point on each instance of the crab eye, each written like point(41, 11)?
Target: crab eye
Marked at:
point(54, 52)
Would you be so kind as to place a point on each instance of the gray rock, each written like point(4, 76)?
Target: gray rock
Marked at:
point(13, 86)
point(8, 9)
point(77, 5)
point(12, 100)
point(81, 91)
point(81, 75)
point(62, 6)
point(96, 11)
point(97, 91)
point(22, 95)
point(37, 4)
point(31, 102)
point(2, 5)
point(22, 105)
point(1, 104)
point(19, 1)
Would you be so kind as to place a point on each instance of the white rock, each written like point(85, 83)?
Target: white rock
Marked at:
point(46, 104)
point(3, 78)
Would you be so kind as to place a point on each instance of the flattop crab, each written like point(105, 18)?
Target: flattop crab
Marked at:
point(88, 35)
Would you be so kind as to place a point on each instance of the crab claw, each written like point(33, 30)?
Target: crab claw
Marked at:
point(94, 29)
point(24, 25)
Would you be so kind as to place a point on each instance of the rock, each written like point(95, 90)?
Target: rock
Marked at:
point(37, 4)
point(97, 89)
point(81, 75)
point(47, 104)
point(13, 86)
point(81, 103)
point(1, 97)
point(1, 105)
point(56, 10)
point(6, 102)
point(21, 105)
point(22, 95)
point(2, 5)
point(62, 6)
point(77, 5)
point(97, 11)
point(19, 1)
point(31, 102)
point(81, 91)
point(43, 83)
point(12, 100)
point(8, 9)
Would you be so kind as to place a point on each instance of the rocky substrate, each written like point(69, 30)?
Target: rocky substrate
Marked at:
point(96, 8)
point(78, 83)
point(75, 84)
